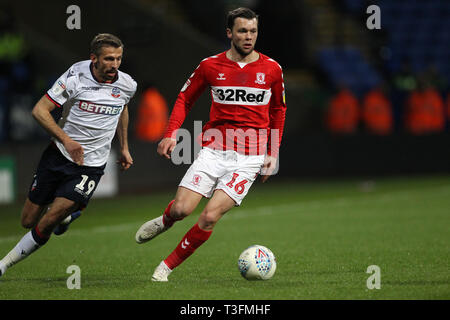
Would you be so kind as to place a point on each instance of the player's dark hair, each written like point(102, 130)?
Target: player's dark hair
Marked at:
point(104, 40)
point(241, 12)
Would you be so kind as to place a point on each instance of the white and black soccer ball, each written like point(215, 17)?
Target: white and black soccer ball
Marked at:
point(257, 263)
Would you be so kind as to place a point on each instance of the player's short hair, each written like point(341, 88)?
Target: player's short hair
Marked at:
point(240, 13)
point(104, 40)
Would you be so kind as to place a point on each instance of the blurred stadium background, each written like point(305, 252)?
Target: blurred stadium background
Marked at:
point(324, 47)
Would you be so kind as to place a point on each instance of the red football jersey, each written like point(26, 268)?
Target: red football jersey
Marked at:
point(247, 101)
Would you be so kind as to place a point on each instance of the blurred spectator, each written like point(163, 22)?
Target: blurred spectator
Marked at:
point(402, 83)
point(376, 112)
point(424, 110)
point(12, 43)
point(343, 112)
point(448, 109)
point(152, 115)
point(404, 79)
point(435, 79)
point(16, 81)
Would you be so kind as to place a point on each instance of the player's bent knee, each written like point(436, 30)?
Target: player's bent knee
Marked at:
point(27, 223)
point(208, 220)
point(30, 214)
point(180, 210)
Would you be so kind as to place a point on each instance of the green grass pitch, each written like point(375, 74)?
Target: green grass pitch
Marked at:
point(324, 235)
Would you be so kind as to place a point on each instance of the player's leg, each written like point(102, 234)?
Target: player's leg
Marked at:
point(217, 206)
point(58, 211)
point(78, 187)
point(31, 213)
point(40, 195)
point(183, 205)
point(40, 233)
point(64, 225)
point(195, 184)
point(230, 190)
point(43, 187)
point(71, 186)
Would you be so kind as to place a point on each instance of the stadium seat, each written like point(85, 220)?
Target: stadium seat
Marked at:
point(431, 36)
point(347, 66)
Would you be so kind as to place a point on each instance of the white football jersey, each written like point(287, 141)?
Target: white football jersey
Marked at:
point(91, 109)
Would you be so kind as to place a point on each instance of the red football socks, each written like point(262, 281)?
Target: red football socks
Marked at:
point(193, 239)
point(167, 219)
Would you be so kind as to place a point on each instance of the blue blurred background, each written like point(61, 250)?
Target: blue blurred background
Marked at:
point(361, 102)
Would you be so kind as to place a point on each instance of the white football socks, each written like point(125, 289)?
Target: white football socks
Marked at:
point(23, 249)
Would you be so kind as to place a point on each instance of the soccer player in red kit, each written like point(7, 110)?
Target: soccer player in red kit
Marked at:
point(248, 109)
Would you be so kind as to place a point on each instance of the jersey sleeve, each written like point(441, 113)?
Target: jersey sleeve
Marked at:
point(189, 93)
point(60, 92)
point(132, 91)
point(277, 113)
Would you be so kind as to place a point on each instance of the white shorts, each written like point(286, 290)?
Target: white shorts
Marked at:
point(228, 170)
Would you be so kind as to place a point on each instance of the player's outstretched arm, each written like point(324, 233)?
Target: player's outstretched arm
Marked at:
point(166, 146)
point(41, 112)
point(125, 160)
point(190, 92)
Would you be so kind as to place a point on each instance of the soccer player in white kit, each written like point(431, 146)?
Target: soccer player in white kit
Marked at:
point(247, 93)
point(94, 97)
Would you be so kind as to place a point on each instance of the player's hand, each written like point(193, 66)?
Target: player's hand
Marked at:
point(166, 146)
point(75, 151)
point(269, 166)
point(125, 161)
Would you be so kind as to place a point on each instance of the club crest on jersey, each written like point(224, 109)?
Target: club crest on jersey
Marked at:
point(260, 78)
point(115, 92)
point(196, 179)
point(71, 73)
point(221, 76)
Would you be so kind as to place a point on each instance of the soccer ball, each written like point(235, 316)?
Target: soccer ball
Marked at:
point(257, 263)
